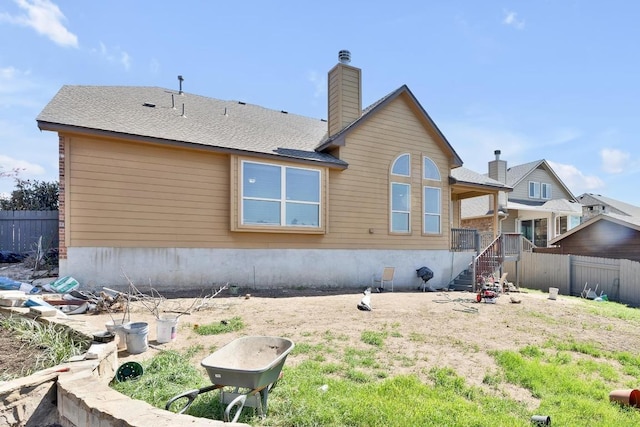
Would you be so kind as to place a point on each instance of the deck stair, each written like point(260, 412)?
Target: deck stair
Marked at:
point(506, 247)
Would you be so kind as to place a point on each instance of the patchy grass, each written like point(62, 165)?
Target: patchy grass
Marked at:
point(375, 338)
point(342, 381)
point(54, 344)
point(222, 327)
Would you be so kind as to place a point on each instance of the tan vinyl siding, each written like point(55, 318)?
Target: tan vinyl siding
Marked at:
point(124, 194)
point(127, 194)
point(344, 97)
point(541, 175)
point(360, 194)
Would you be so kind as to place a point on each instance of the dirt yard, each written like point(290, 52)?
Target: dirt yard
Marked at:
point(423, 329)
point(443, 329)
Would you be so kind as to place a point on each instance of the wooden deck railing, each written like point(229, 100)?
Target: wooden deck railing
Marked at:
point(463, 239)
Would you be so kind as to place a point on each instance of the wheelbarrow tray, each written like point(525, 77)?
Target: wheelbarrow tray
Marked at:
point(252, 362)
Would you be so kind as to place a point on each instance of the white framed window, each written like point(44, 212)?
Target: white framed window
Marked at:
point(429, 169)
point(402, 165)
point(534, 190)
point(546, 191)
point(281, 196)
point(400, 207)
point(432, 210)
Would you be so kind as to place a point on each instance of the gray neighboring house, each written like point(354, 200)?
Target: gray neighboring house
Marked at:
point(595, 204)
point(541, 206)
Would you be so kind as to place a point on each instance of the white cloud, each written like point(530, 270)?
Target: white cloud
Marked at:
point(318, 82)
point(114, 55)
point(25, 168)
point(614, 161)
point(45, 18)
point(573, 178)
point(511, 19)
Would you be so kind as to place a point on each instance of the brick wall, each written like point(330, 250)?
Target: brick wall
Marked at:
point(480, 224)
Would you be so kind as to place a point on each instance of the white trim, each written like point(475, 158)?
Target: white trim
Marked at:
point(283, 196)
point(424, 170)
point(425, 213)
point(408, 212)
point(393, 165)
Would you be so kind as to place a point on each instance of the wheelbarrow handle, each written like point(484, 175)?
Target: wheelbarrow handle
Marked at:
point(191, 396)
point(238, 401)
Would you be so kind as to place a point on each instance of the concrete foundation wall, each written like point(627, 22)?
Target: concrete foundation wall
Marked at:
point(181, 269)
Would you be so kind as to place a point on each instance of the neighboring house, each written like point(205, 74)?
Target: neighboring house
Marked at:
point(595, 204)
point(610, 229)
point(540, 207)
point(606, 235)
point(183, 191)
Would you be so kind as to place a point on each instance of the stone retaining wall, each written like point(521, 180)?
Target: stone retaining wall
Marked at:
point(77, 394)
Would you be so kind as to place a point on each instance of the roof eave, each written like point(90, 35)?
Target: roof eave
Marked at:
point(59, 127)
point(455, 181)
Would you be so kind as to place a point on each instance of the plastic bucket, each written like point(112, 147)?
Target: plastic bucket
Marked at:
point(167, 329)
point(137, 337)
point(553, 293)
point(117, 327)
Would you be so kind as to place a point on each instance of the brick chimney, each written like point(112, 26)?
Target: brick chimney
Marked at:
point(345, 94)
point(498, 171)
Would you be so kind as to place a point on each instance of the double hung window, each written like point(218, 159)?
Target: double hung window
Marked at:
point(401, 194)
point(431, 198)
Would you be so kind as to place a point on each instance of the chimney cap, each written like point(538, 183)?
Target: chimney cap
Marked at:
point(497, 153)
point(344, 56)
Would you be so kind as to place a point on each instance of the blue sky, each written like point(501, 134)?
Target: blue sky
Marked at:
point(554, 80)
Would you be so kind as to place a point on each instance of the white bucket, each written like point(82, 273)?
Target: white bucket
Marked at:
point(117, 327)
point(137, 337)
point(167, 329)
point(553, 293)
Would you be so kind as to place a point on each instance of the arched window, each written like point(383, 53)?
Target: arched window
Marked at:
point(402, 165)
point(400, 197)
point(429, 169)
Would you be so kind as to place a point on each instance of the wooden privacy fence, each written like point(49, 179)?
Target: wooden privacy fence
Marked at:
point(20, 230)
point(619, 279)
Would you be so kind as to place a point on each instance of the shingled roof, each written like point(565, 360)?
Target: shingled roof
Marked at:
point(162, 115)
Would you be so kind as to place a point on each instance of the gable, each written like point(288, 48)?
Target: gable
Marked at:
point(390, 131)
point(541, 174)
point(395, 124)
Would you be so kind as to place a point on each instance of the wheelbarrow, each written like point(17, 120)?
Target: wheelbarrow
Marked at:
point(250, 366)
